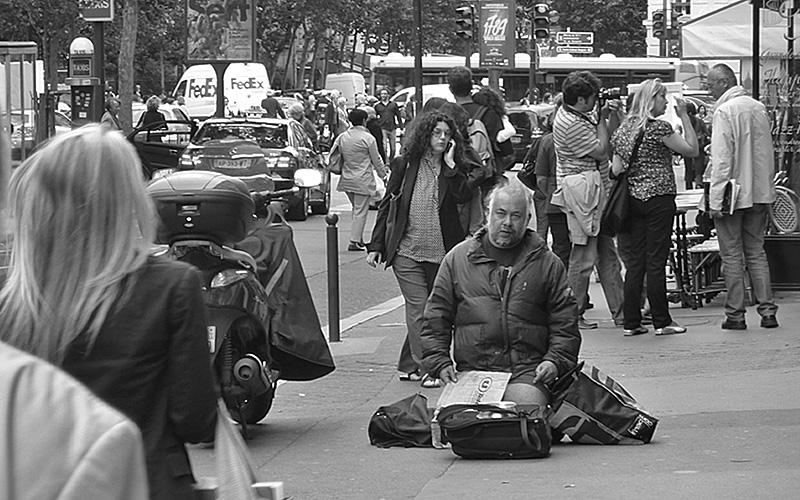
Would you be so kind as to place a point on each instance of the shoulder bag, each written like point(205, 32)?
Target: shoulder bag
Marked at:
point(335, 159)
point(488, 431)
point(615, 213)
point(405, 423)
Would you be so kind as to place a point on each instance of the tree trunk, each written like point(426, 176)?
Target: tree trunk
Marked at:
point(127, 50)
point(301, 75)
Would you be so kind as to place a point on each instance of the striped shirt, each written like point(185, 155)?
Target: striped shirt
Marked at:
point(574, 137)
point(423, 240)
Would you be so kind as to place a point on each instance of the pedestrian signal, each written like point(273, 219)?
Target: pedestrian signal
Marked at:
point(659, 25)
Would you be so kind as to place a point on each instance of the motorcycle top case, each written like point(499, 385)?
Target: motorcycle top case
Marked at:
point(487, 431)
point(201, 205)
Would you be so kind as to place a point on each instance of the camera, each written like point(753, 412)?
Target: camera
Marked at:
point(613, 93)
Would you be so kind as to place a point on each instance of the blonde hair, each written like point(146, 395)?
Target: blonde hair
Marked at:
point(642, 105)
point(82, 226)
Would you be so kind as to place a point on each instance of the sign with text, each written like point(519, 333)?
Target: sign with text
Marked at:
point(80, 66)
point(575, 37)
point(574, 49)
point(96, 10)
point(497, 33)
point(220, 33)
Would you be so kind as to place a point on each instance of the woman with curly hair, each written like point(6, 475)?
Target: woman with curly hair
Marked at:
point(430, 176)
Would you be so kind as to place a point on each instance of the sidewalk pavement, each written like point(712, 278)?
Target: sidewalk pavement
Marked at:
point(727, 401)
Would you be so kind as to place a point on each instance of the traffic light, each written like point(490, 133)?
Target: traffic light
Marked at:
point(465, 21)
point(659, 25)
point(541, 21)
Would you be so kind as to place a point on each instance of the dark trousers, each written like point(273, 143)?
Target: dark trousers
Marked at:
point(560, 231)
point(648, 245)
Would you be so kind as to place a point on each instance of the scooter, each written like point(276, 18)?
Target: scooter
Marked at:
point(203, 215)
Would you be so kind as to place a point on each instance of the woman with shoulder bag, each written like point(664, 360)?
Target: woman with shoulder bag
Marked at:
point(652, 190)
point(428, 177)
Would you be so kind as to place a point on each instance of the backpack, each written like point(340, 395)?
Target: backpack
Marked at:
point(479, 139)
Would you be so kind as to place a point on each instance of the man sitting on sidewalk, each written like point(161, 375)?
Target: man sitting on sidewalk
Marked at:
point(501, 300)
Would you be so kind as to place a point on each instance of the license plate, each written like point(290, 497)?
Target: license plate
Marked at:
point(163, 172)
point(515, 139)
point(232, 163)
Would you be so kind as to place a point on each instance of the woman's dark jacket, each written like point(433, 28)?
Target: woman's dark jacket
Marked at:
point(533, 318)
point(151, 362)
point(455, 187)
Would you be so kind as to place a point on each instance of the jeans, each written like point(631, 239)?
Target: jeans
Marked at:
point(560, 232)
point(389, 136)
point(741, 242)
point(648, 246)
point(601, 251)
point(360, 204)
point(416, 282)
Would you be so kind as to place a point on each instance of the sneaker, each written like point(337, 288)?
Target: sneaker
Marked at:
point(647, 317)
point(733, 324)
point(619, 322)
point(671, 329)
point(769, 322)
point(630, 332)
point(356, 246)
point(584, 324)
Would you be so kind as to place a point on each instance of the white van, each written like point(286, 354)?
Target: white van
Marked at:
point(246, 85)
point(349, 84)
point(434, 90)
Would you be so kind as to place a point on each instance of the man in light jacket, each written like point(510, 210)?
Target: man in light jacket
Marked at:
point(360, 152)
point(741, 150)
point(501, 300)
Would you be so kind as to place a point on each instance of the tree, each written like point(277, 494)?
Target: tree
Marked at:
point(617, 24)
point(127, 50)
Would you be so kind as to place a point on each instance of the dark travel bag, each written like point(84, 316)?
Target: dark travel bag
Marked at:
point(487, 431)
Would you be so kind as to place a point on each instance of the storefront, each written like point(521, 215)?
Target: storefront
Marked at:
point(728, 33)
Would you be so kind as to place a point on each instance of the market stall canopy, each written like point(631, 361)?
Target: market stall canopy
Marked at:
point(727, 33)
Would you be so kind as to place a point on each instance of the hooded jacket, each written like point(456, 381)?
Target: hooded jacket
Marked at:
point(533, 318)
point(741, 149)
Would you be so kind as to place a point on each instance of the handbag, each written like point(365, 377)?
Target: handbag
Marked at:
point(335, 159)
point(488, 431)
point(394, 208)
point(592, 408)
point(615, 214)
point(405, 423)
point(235, 473)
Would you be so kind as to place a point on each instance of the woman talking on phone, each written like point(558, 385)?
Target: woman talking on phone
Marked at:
point(431, 176)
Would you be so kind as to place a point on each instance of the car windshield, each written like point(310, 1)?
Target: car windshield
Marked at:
point(265, 135)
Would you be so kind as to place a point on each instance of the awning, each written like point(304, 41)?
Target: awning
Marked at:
point(727, 33)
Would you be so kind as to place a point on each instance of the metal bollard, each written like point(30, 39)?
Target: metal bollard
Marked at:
point(333, 277)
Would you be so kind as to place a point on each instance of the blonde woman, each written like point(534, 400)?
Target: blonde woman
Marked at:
point(652, 188)
point(84, 293)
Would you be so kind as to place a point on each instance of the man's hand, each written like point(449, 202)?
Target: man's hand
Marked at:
point(448, 375)
point(373, 258)
point(546, 372)
point(715, 214)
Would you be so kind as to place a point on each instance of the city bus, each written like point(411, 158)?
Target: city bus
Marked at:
point(396, 71)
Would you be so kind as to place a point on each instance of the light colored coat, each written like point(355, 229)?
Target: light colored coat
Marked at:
point(582, 197)
point(60, 441)
point(360, 152)
point(741, 149)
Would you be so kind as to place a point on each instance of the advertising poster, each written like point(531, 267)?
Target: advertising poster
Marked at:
point(497, 34)
point(220, 31)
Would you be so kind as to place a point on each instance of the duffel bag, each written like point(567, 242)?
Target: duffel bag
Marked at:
point(592, 408)
point(487, 431)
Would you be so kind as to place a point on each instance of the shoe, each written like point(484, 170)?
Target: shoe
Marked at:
point(671, 329)
point(732, 324)
point(647, 318)
point(355, 246)
point(769, 322)
point(583, 324)
point(631, 332)
point(409, 377)
point(619, 322)
point(429, 382)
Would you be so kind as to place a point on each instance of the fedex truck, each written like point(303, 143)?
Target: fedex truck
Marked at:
point(246, 85)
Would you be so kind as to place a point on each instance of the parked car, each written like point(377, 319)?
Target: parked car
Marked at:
point(286, 149)
point(24, 124)
point(528, 121)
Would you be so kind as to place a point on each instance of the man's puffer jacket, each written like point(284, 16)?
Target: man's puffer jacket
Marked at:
point(513, 329)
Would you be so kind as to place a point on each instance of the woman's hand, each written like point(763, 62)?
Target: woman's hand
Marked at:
point(374, 258)
point(450, 154)
point(680, 107)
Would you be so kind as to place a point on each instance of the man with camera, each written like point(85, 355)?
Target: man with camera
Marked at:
point(581, 138)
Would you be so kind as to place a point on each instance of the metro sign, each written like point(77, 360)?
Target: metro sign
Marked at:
point(575, 38)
